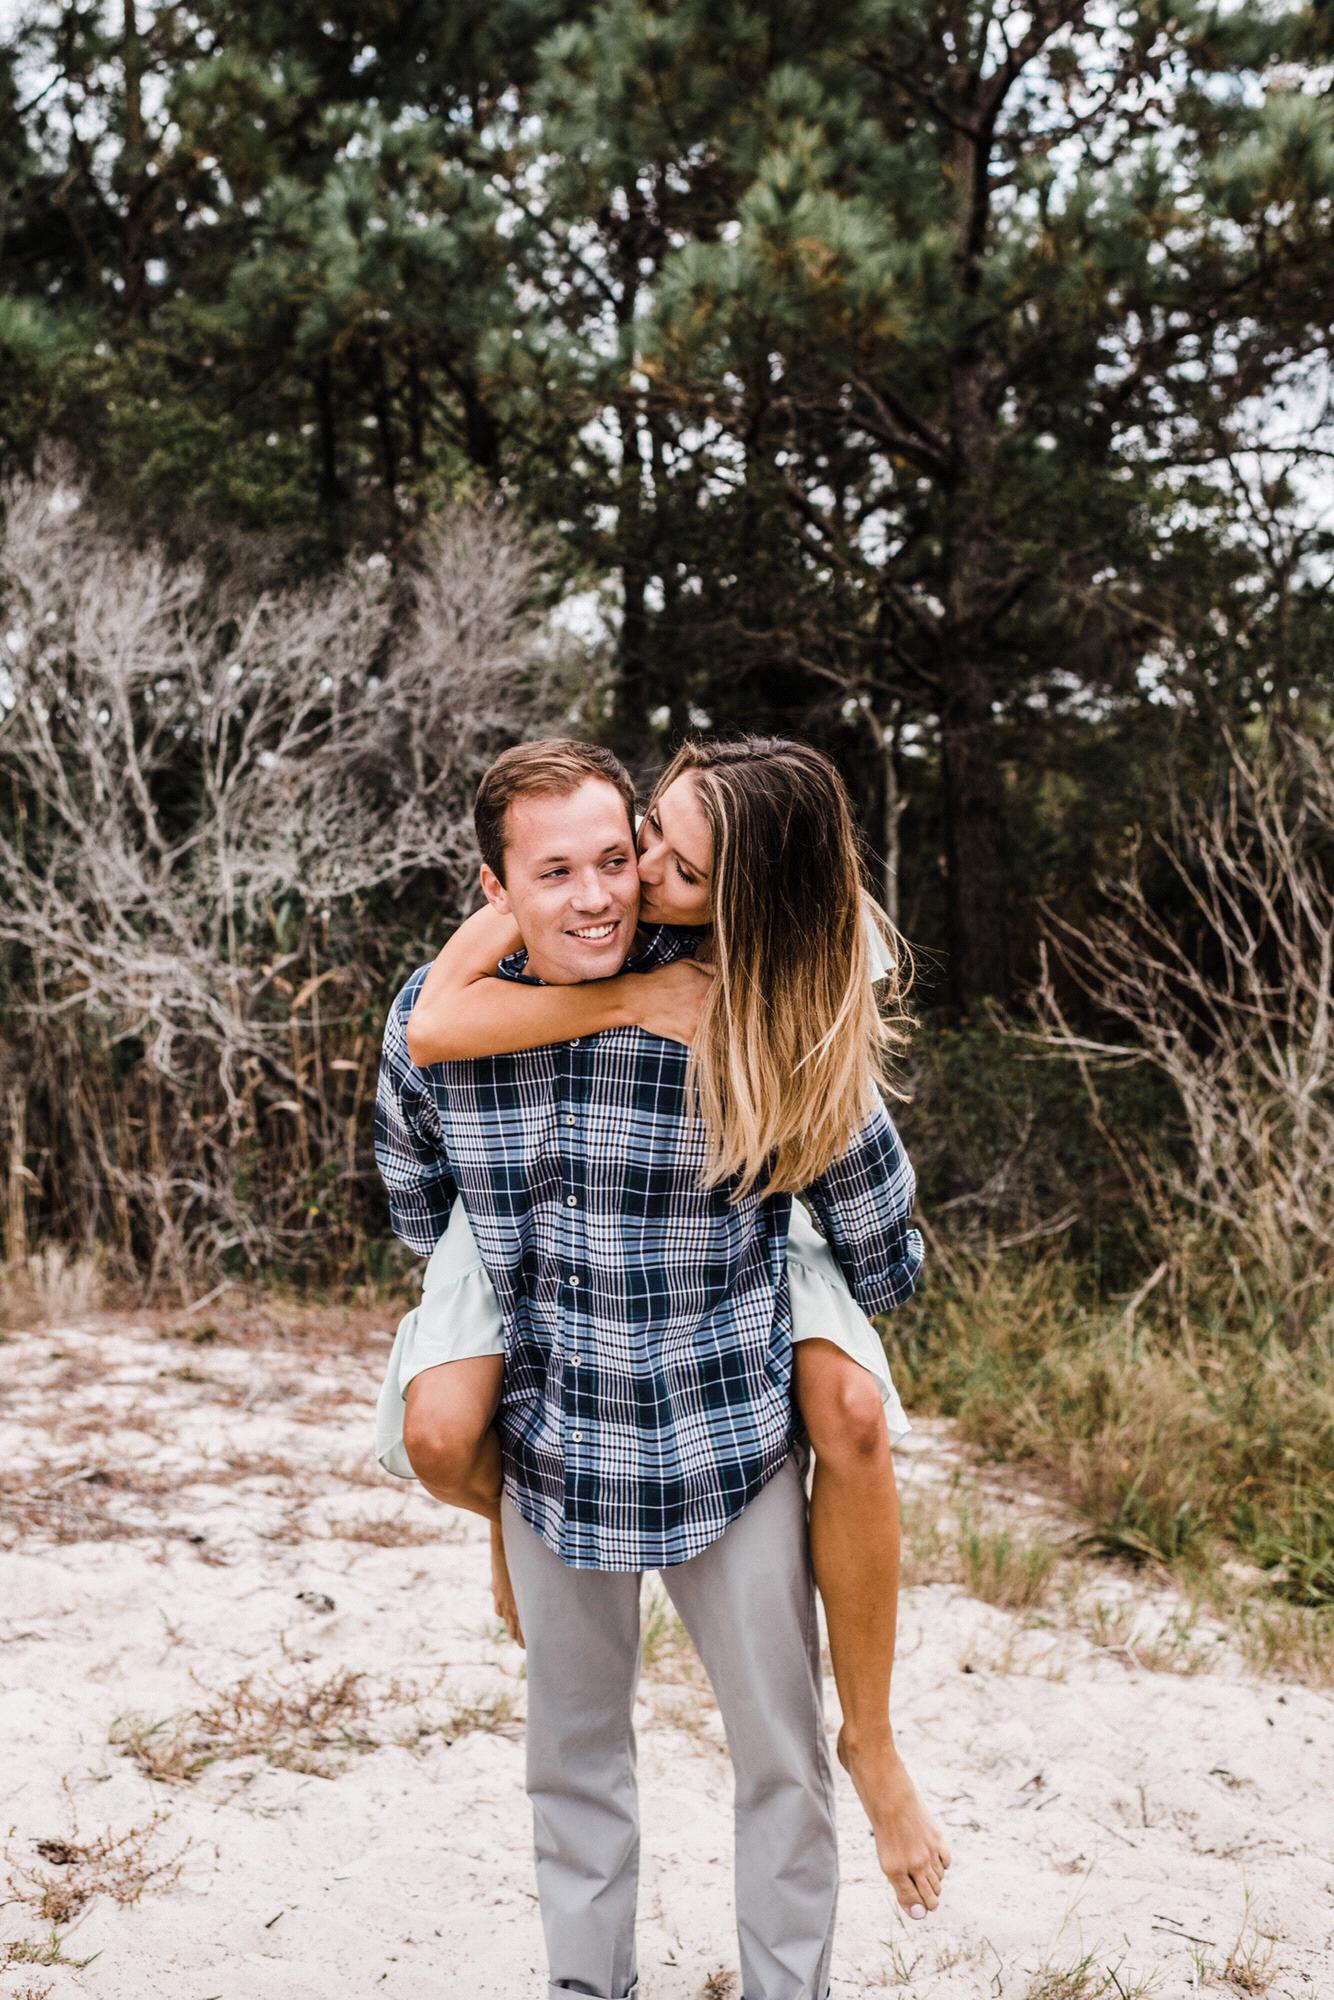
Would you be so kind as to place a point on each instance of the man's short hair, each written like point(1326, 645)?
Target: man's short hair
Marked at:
point(549, 769)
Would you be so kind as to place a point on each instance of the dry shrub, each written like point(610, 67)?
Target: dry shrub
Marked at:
point(1230, 1000)
point(307, 1727)
point(52, 1286)
point(356, 1328)
point(301, 1725)
point(87, 1505)
point(391, 1531)
point(493, 1716)
point(114, 1865)
point(215, 779)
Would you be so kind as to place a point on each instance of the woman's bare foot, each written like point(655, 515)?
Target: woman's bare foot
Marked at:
point(502, 1590)
point(909, 1846)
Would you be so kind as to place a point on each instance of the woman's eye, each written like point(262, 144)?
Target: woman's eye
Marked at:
point(689, 880)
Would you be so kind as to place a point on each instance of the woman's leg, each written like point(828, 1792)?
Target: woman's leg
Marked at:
point(855, 1554)
point(448, 1418)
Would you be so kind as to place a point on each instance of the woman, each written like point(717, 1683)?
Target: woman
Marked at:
point(787, 1044)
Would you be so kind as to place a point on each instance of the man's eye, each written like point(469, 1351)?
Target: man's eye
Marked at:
point(617, 861)
point(553, 874)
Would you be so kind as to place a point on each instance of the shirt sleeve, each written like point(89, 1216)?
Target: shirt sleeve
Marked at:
point(863, 1202)
point(409, 1145)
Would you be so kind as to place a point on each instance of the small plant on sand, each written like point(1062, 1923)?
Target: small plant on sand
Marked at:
point(1005, 1566)
point(1250, 1963)
point(383, 1531)
point(899, 1969)
point(111, 1864)
point(307, 1726)
point(303, 1727)
point(1289, 1640)
point(668, 1651)
point(928, 1554)
point(50, 1951)
point(495, 1716)
point(1168, 1646)
point(1085, 1979)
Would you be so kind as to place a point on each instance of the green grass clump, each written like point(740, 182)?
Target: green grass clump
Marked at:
point(1178, 1437)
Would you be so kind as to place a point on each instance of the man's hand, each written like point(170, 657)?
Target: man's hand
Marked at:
point(668, 1002)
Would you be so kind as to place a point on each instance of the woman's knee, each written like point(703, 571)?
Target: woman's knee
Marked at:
point(843, 1412)
point(441, 1441)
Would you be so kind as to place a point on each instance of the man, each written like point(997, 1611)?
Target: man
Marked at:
point(645, 1420)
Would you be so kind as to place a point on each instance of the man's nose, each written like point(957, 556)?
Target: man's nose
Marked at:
point(590, 891)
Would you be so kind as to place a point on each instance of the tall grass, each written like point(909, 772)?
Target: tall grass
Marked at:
point(1182, 1434)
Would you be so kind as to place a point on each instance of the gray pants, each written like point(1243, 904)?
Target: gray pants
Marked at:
point(748, 1603)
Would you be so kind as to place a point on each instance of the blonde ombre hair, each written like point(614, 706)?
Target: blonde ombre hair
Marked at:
point(792, 1043)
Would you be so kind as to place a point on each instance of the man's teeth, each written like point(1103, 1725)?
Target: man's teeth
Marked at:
point(595, 932)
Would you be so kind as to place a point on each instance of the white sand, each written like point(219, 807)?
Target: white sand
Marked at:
point(1144, 1820)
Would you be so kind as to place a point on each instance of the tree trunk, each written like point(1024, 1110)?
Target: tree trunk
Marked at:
point(630, 726)
point(330, 485)
point(16, 1218)
point(632, 689)
point(976, 886)
point(138, 188)
point(884, 731)
point(384, 425)
point(894, 803)
point(973, 791)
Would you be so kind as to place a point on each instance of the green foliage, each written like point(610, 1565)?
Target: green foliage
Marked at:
point(1006, 1147)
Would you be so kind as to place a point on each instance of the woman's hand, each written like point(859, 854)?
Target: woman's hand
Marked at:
point(668, 1002)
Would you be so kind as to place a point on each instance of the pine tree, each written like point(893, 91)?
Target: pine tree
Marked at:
point(1000, 273)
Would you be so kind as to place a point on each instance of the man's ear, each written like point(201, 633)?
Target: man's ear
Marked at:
point(494, 891)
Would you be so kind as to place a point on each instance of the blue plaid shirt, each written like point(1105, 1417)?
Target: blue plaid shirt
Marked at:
point(648, 1359)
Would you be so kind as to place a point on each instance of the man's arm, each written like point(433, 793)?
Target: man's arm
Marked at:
point(863, 1202)
point(409, 1145)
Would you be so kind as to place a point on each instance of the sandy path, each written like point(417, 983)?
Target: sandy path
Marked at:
point(342, 1787)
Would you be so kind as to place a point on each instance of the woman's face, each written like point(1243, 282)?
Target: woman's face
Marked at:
point(675, 857)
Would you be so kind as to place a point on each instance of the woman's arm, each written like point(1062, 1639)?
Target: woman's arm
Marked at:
point(462, 1011)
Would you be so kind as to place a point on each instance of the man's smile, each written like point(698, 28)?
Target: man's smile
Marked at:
point(597, 933)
